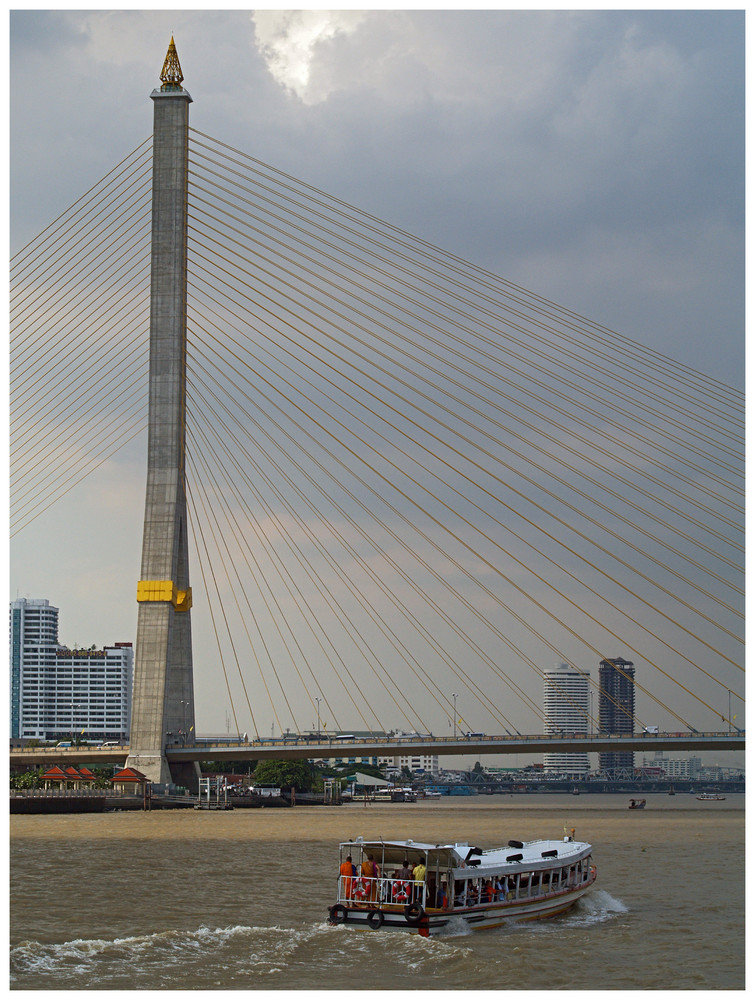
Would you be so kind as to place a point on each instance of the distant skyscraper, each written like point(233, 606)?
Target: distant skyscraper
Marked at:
point(57, 693)
point(566, 709)
point(616, 708)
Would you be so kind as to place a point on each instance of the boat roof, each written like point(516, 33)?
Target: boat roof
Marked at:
point(409, 845)
point(468, 860)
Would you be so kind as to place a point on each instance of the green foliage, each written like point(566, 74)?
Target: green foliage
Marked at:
point(227, 766)
point(27, 779)
point(285, 774)
point(478, 768)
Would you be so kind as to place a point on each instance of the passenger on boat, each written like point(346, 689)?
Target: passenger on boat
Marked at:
point(488, 894)
point(371, 871)
point(400, 891)
point(418, 874)
point(405, 872)
point(473, 894)
point(419, 871)
point(442, 900)
point(348, 871)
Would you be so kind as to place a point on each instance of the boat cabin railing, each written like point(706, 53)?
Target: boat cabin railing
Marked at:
point(361, 889)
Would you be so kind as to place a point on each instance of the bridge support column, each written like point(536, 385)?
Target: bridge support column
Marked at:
point(163, 703)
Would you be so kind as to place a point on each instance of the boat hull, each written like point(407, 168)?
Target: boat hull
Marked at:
point(485, 916)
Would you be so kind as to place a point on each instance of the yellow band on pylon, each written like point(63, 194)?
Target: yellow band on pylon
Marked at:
point(164, 590)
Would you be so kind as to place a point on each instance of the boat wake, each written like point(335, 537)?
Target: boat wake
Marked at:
point(456, 927)
point(237, 957)
point(225, 957)
point(158, 955)
point(594, 908)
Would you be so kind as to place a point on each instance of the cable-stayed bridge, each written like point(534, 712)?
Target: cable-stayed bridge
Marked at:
point(411, 487)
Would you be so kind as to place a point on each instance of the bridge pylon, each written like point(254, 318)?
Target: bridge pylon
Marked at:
point(163, 701)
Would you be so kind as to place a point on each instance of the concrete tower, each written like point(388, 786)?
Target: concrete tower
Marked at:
point(163, 703)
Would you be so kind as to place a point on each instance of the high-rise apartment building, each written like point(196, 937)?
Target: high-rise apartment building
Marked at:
point(59, 693)
point(616, 709)
point(33, 644)
point(566, 709)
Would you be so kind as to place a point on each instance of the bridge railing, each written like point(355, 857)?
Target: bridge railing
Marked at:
point(476, 738)
point(344, 746)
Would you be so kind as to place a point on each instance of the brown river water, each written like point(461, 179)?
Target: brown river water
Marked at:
point(238, 900)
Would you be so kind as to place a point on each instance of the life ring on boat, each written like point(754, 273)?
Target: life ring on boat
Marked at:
point(361, 888)
point(338, 914)
point(401, 891)
point(375, 919)
point(414, 914)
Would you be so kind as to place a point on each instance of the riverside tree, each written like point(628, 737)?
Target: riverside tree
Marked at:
point(284, 774)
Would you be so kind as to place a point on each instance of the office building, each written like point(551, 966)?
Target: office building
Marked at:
point(616, 709)
point(59, 693)
point(673, 767)
point(566, 710)
point(419, 763)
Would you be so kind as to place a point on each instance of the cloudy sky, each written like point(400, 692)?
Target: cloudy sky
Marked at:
point(594, 157)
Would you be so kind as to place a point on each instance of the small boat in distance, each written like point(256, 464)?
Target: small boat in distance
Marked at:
point(420, 888)
point(711, 797)
point(636, 803)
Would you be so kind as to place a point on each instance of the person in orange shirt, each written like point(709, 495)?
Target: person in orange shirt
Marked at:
point(348, 871)
point(371, 871)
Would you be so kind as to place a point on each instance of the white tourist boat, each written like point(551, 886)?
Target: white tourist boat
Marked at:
point(711, 797)
point(461, 883)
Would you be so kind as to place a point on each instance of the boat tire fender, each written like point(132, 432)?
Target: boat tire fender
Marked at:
point(516, 843)
point(375, 919)
point(338, 914)
point(414, 914)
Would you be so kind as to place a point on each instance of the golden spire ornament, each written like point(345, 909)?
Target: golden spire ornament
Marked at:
point(171, 75)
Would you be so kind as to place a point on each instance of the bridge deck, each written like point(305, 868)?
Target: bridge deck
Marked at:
point(323, 749)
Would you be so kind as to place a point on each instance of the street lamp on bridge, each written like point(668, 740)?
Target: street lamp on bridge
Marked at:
point(454, 696)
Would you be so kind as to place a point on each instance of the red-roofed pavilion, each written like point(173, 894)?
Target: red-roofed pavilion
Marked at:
point(129, 780)
point(54, 774)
